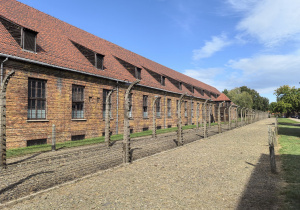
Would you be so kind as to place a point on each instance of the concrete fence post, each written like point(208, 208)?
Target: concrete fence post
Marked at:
point(205, 132)
point(154, 117)
point(229, 120)
point(198, 113)
point(53, 138)
point(237, 117)
point(219, 117)
point(271, 149)
point(3, 119)
point(107, 118)
point(225, 115)
point(209, 115)
point(179, 124)
point(126, 135)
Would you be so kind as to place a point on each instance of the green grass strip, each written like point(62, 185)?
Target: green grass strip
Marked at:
point(286, 120)
point(46, 147)
point(290, 156)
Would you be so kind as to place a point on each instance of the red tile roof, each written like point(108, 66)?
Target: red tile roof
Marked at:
point(54, 41)
point(222, 97)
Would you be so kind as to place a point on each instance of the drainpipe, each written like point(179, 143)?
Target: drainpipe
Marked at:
point(2, 71)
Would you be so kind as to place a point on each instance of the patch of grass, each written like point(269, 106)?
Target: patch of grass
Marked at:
point(290, 157)
point(286, 120)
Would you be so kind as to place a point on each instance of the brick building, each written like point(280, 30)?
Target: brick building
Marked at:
point(63, 74)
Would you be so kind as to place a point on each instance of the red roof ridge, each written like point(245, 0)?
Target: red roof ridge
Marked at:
point(222, 97)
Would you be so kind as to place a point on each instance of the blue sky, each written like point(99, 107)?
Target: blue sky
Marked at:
point(224, 43)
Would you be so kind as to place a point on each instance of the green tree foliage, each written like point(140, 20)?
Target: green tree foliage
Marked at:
point(272, 107)
point(282, 107)
point(225, 91)
point(249, 98)
point(288, 99)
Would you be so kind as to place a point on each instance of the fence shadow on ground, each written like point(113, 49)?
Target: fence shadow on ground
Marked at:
point(293, 130)
point(25, 159)
point(11, 186)
point(261, 191)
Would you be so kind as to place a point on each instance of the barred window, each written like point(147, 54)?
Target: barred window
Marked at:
point(105, 93)
point(157, 107)
point(145, 106)
point(29, 40)
point(36, 99)
point(169, 107)
point(77, 102)
point(185, 109)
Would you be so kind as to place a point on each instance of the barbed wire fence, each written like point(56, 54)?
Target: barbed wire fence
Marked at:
point(111, 137)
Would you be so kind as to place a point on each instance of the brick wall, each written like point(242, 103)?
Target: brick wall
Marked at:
point(59, 106)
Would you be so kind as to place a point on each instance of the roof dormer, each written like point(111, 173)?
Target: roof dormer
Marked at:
point(94, 58)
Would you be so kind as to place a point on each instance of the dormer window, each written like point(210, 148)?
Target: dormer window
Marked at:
point(94, 58)
point(193, 89)
point(99, 61)
point(28, 41)
point(138, 73)
point(162, 80)
point(180, 86)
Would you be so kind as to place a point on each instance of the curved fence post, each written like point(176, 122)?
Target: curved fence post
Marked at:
point(225, 115)
point(126, 135)
point(179, 125)
point(107, 117)
point(205, 133)
point(198, 113)
point(154, 116)
point(219, 117)
point(3, 118)
point(229, 117)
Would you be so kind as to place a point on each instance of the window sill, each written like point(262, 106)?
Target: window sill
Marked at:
point(78, 119)
point(110, 119)
point(146, 118)
point(24, 50)
point(37, 120)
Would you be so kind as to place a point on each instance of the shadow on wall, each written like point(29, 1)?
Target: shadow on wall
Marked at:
point(261, 191)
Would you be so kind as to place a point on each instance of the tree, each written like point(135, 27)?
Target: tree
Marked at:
point(246, 97)
point(225, 91)
point(288, 99)
point(240, 98)
point(272, 107)
point(282, 107)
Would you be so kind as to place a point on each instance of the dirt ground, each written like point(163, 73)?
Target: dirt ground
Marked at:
point(226, 171)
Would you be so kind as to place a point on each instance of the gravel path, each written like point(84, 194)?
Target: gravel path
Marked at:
point(226, 171)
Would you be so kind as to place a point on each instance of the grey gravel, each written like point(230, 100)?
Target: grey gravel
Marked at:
point(226, 171)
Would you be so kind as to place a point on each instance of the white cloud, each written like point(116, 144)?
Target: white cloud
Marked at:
point(264, 72)
point(241, 5)
point(216, 44)
point(272, 22)
point(207, 75)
